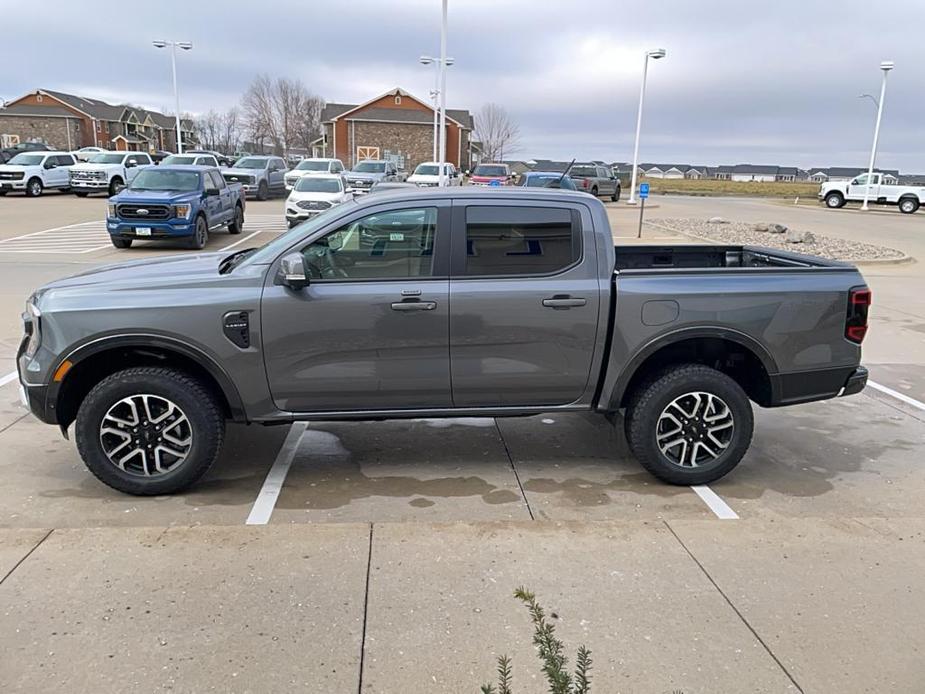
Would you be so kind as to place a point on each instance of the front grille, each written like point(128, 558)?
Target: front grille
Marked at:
point(146, 212)
point(313, 204)
point(238, 178)
point(360, 182)
point(87, 175)
point(12, 175)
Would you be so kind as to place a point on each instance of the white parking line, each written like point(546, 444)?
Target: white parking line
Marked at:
point(896, 394)
point(716, 504)
point(269, 492)
point(238, 243)
point(9, 378)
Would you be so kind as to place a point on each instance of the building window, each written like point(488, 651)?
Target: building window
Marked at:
point(38, 98)
point(398, 100)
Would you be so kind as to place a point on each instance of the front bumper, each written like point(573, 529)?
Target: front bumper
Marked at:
point(88, 185)
point(158, 230)
point(12, 185)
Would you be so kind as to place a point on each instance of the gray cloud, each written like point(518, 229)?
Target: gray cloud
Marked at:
point(769, 82)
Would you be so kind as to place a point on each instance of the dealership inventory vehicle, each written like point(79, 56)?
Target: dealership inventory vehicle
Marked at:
point(260, 176)
point(175, 202)
point(547, 179)
point(313, 194)
point(87, 153)
point(369, 172)
point(190, 159)
point(597, 180)
point(313, 166)
point(32, 172)
point(108, 173)
point(222, 159)
point(428, 174)
point(491, 175)
point(442, 302)
point(907, 198)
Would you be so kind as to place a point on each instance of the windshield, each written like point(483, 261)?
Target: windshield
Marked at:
point(27, 159)
point(582, 171)
point(177, 159)
point(251, 163)
point(370, 167)
point(427, 170)
point(268, 252)
point(545, 181)
point(312, 184)
point(158, 179)
point(309, 165)
point(488, 170)
point(107, 159)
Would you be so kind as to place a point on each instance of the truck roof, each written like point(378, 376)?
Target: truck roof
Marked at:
point(477, 192)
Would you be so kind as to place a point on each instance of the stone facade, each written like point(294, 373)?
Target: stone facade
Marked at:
point(60, 133)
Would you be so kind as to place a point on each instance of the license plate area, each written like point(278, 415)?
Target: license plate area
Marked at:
point(142, 231)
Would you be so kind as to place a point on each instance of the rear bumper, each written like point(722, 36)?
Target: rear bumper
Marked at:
point(856, 382)
point(809, 386)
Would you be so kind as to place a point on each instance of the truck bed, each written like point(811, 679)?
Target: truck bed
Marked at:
point(710, 257)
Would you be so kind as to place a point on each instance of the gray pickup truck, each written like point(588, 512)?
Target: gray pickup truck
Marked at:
point(443, 302)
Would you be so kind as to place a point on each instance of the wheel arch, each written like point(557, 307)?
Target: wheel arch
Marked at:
point(95, 360)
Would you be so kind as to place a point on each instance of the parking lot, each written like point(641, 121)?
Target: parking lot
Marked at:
point(391, 548)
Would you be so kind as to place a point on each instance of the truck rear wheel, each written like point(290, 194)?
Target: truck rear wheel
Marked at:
point(834, 200)
point(149, 430)
point(689, 424)
point(237, 224)
point(908, 205)
point(616, 194)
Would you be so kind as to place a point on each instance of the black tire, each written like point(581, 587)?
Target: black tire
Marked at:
point(200, 236)
point(115, 185)
point(203, 414)
point(121, 243)
point(80, 193)
point(834, 200)
point(3, 192)
point(908, 205)
point(654, 397)
point(616, 195)
point(237, 225)
point(263, 191)
point(34, 187)
point(594, 191)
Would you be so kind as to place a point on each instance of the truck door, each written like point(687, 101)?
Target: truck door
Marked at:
point(524, 300)
point(371, 330)
point(212, 201)
point(857, 187)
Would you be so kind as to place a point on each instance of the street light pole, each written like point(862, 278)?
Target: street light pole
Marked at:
point(443, 29)
point(655, 54)
point(885, 66)
point(185, 45)
point(434, 94)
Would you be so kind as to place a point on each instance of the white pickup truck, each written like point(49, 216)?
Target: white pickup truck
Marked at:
point(107, 173)
point(836, 194)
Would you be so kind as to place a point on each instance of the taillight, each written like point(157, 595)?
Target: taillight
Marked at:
point(856, 321)
point(584, 183)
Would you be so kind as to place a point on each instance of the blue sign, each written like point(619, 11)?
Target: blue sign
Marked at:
point(495, 182)
point(643, 190)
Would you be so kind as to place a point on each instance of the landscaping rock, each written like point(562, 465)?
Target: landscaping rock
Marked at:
point(717, 220)
point(760, 226)
point(800, 237)
point(777, 228)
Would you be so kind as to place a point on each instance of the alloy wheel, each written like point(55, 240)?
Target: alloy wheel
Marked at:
point(146, 435)
point(694, 429)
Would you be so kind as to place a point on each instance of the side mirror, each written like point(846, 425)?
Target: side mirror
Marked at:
point(51, 165)
point(211, 192)
point(467, 172)
point(349, 191)
point(130, 165)
point(291, 272)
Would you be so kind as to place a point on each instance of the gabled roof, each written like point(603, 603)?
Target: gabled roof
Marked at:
point(333, 111)
point(100, 110)
point(766, 169)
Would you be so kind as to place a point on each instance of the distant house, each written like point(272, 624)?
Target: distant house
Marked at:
point(723, 173)
point(818, 176)
point(696, 172)
point(754, 172)
point(846, 173)
point(787, 174)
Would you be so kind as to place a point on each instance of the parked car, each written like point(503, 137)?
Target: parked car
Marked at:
point(391, 186)
point(907, 198)
point(222, 159)
point(107, 173)
point(87, 153)
point(369, 172)
point(546, 179)
point(261, 176)
point(192, 159)
point(313, 166)
point(35, 171)
point(175, 202)
point(8, 153)
point(313, 194)
point(597, 180)
point(515, 314)
point(491, 175)
point(428, 174)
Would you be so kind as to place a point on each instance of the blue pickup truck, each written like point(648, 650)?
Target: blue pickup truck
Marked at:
point(175, 202)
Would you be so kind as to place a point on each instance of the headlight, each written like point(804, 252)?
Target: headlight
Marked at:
point(181, 211)
point(33, 326)
point(112, 210)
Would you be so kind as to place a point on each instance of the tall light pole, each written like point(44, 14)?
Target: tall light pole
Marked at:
point(435, 93)
point(655, 54)
point(174, 45)
point(443, 64)
point(886, 66)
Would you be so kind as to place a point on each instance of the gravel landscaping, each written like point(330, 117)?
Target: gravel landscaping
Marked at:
point(779, 236)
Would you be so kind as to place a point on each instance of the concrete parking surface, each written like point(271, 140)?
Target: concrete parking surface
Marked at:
point(392, 548)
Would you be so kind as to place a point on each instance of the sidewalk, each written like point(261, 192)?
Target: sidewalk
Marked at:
point(690, 606)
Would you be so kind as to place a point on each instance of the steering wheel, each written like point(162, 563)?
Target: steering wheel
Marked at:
point(321, 262)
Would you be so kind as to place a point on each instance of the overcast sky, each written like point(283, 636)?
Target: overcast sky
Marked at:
point(764, 82)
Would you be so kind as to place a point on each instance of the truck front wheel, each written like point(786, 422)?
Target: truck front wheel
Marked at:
point(200, 236)
point(120, 243)
point(263, 191)
point(689, 424)
point(834, 200)
point(34, 188)
point(908, 205)
point(149, 430)
point(115, 185)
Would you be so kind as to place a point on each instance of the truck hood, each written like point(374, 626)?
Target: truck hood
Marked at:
point(243, 172)
point(296, 196)
point(486, 179)
point(15, 167)
point(87, 166)
point(161, 196)
point(355, 176)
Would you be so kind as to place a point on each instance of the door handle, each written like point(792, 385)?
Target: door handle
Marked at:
point(564, 302)
point(414, 305)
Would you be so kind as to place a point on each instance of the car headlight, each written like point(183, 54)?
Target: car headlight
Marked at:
point(112, 210)
point(182, 211)
point(32, 319)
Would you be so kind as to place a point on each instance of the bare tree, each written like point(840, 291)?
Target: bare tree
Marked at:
point(282, 111)
point(497, 132)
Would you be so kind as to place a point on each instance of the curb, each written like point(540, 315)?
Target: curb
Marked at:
point(902, 260)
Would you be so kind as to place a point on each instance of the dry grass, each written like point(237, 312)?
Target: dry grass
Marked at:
point(681, 186)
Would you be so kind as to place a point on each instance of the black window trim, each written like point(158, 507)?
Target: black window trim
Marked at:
point(458, 238)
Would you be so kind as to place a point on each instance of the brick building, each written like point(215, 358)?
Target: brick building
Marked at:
point(396, 125)
point(70, 122)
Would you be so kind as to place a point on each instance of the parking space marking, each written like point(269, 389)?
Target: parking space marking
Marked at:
point(81, 238)
point(238, 243)
point(716, 504)
point(273, 484)
point(912, 402)
point(9, 378)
